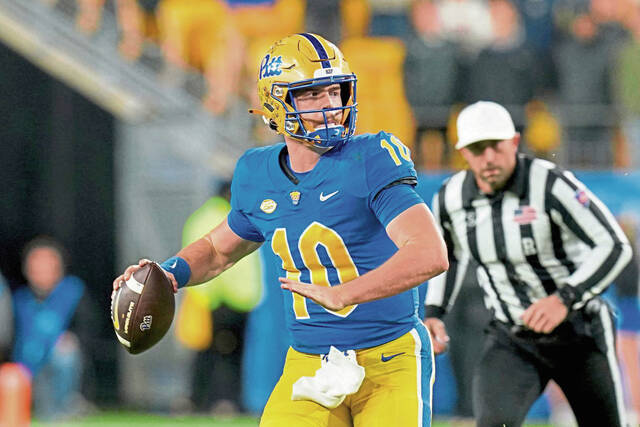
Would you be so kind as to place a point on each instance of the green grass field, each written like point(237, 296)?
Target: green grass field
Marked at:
point(117, 419)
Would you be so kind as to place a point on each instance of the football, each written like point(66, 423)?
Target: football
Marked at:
point(143, 308)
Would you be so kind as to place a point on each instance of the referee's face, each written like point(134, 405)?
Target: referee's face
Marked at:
point(492, 162)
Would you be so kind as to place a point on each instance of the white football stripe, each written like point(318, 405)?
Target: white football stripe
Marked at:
point(123, 341)
point(134, 285)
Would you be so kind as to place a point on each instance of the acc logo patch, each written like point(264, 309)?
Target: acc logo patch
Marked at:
point(270, 66)
point(268, 206)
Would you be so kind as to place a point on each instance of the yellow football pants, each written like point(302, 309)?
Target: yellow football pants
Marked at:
point(396, 390)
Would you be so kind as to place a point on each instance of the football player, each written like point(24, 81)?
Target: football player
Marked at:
point(353, 239)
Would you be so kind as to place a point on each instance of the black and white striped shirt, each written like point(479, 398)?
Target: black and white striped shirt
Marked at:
point(544, 232)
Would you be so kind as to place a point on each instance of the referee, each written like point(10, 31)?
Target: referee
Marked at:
point(545, 248)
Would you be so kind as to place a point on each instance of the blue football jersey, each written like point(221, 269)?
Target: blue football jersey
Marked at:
point(325, 232)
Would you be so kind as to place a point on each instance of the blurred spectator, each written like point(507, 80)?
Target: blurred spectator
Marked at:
point(583, 62)
point(431, 151)
point(54, 327)
point(537, 21)
point(259, 24)
point(542, 134)
point(607, 14)
point(137, 21)
point(355, 16)
point(467, 23)
point(201, 34)
point(430, 75)
point(89, 15)
point(389, 18)
point(627, 86)
point(505, 70)
point(6, 321)
point(382, 103)
point(268, 18)
point(212, 317)
point(564, 13)
point(456, 161)
point(323, 18)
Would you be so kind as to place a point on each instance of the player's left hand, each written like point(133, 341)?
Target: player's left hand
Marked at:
point(326, 296)
point(545, 314)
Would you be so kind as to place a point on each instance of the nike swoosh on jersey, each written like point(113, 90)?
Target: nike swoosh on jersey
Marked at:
point(387, 358)
point(328, 196)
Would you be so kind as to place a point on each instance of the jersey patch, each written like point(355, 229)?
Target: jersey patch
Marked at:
point(525, 215)
point(582, 197)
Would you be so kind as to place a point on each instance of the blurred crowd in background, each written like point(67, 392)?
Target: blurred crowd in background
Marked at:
point(566, 69)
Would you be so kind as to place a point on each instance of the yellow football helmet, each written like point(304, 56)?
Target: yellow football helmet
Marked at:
point(301, 61)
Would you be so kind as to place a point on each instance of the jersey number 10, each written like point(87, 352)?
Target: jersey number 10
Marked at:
point(405, 153)
point(314, 235)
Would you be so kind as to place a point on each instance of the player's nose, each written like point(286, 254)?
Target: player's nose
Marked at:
point(329, 101)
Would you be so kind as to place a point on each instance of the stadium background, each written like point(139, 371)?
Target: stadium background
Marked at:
point(118, 120)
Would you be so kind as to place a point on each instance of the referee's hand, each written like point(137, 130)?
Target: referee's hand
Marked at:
point(545, 314)
point(439, 333)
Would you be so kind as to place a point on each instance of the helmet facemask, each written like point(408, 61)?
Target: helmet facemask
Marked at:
point(328, 134)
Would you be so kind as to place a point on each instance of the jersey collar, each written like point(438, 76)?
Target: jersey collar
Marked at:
point(284, 165)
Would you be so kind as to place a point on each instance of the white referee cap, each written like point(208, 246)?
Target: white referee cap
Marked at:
point(483, 121)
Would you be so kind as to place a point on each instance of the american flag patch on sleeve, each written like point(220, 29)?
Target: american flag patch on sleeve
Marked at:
point(582, 197)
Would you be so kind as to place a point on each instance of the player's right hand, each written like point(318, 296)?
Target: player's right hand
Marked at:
point(439, 333)
point(121, 279)
point(128, 272)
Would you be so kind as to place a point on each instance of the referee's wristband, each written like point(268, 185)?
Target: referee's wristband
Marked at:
point(179, 268)
point(434, 311)
point(568, 295)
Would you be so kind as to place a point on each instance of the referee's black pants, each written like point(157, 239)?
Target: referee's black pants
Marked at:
point(579, 355)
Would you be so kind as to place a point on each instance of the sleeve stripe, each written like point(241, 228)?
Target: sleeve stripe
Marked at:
point(570, 221)
point(556, 232)
point(594, 227)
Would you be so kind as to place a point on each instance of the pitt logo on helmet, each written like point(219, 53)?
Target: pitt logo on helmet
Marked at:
point(270, 66)
point(304, 61)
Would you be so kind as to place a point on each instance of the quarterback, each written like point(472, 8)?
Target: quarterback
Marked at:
point(353, 238)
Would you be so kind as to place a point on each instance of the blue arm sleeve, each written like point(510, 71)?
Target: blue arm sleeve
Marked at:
point(240, 224)
point(394, 200)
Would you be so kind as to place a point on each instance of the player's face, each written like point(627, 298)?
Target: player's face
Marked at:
point(492, 162)
point(317, 98)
